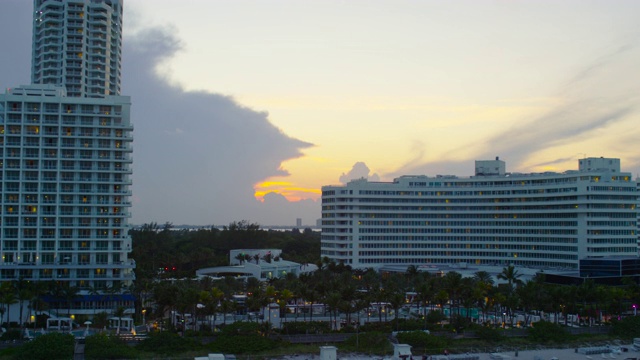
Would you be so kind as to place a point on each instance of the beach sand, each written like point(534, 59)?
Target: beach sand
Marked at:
point(542, 354)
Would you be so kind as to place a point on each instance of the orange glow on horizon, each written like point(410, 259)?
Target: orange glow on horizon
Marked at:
point(286, 189)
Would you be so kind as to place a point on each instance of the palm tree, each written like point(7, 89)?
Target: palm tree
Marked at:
point(254, 303)
point(39, 289)
point(240, 257)
point(423, 296)
point(469, 295)
point(587, 293)
point(482, 292)
point(284, 297)
point(226, 306)
point(311, 296)
point(512, 276)
point(113, 293)
point(412, 272)
point(7, 297)
point(69, 293)
point(333, 301)
point(188, 296)
point(94, 292)
point(452, 283)
point(348, 293)
point(23, 291)
point(119, 314)
point(484, 277)
point(216, 296)
point(55, 291)
point(529, 295)
point(396, 300)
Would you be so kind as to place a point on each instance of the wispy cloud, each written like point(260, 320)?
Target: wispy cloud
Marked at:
point(587, 109)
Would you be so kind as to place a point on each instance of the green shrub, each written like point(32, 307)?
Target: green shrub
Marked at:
point(544, 331)
point(383, 327)
point(435, 316)
point(54, 346)
point(243, 337)
point(628, 327)
point(459, 323)
point(308, 327)
point(167, 343)
point(373, 342)
point(411, 324)
point(242, 328)
point(421, 340)
point(489, 334)
point(241, 344)
point(101, 346)
point(11, 335)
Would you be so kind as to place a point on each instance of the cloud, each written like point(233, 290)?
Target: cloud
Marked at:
point(15, 64)
point(197, 155)
point(358, 171)
point(276, 208)
point(206, 175)
point(176, 131)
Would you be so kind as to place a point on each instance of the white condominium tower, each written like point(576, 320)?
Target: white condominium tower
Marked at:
point(541, 220)
point(78, 44)
point(65, 158)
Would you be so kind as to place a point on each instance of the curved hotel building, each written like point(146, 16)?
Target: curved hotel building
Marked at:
point(543, 220)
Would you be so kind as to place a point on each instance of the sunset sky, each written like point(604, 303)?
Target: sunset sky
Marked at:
point(244, 108)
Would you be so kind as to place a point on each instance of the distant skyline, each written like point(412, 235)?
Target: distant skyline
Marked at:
point(244, 109)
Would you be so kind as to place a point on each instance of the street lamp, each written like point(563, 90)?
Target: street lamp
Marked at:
point(635, 309)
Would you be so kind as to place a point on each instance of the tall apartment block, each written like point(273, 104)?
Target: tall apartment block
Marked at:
point(78, 44)
point(539, 220)
point(65, 152)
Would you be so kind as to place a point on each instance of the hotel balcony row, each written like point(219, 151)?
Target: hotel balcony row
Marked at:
point(56, 108)
point(67, 243)
point(47, 276)
point(37, 265)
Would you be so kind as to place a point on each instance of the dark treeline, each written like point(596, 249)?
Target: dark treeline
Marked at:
point(157, 247)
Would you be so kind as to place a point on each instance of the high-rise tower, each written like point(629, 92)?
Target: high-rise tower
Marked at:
point(65, 160)
point(78, 44)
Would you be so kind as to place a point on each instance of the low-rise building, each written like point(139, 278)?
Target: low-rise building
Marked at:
point(262, 264)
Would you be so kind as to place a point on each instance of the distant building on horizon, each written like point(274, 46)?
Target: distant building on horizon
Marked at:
point(298, 222)
point(538, 220)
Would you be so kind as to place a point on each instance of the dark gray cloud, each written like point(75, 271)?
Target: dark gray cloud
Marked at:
point(197, 155)
point(15, 42)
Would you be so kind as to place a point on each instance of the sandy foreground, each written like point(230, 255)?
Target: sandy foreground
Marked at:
point(543, 354)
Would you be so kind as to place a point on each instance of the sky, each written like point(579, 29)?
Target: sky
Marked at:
point(244, 109)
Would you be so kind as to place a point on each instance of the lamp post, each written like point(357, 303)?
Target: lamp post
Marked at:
point(635, 309)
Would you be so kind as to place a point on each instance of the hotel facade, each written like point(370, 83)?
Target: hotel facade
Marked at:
point(65, 152)
point(539, 220)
